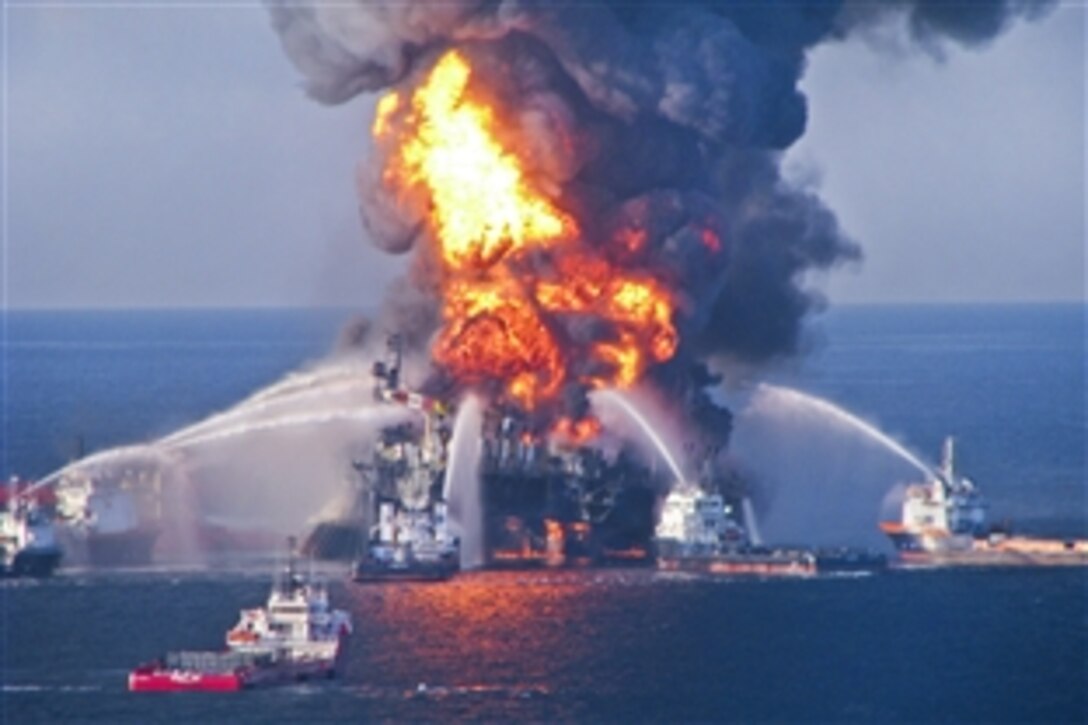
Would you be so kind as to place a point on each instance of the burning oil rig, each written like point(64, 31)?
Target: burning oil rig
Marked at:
point(537, 298)
point(552, 500)
point(586, 211)
point(544, 498)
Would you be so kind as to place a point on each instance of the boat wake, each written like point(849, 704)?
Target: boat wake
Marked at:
point(15, 689)
point(430, 691)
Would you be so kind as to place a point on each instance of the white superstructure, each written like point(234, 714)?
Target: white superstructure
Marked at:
point(945, 513)
point(694, 520)
point(111, 520)
point(942, 522)
point(296, 623)
point(403, 536)
point(28, 544)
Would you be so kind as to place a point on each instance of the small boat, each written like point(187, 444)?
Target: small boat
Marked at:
point(28, 543)
point(294, 637)
point(409, 545)
point(698, 532)
point(112, 522)
point(943, 522)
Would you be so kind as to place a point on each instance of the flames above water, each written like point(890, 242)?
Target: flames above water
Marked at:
point(492, 331)
point(483, 206)
point(577, 432)
point(515, 268)
point(594, 189)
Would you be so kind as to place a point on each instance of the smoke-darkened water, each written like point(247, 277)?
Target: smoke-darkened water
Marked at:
point(615, 645)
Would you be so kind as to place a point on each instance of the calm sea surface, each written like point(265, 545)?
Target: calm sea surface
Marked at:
point(590, 645)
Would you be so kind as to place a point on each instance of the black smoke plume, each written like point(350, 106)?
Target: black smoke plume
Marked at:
point(662, 119)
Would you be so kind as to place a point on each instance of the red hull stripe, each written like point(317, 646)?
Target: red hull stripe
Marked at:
point(166, 681)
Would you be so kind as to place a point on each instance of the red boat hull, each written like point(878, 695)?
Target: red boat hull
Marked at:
point(157, 678)
point(160, 680)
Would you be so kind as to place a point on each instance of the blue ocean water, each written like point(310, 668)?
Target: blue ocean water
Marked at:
point(109, 378)
point(1007, 381)
point(608, 646)
point(598, 646)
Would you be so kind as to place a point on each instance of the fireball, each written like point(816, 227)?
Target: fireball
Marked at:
point(502, 315)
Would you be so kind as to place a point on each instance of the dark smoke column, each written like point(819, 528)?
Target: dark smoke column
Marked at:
point(662, 124)
point(658, 127)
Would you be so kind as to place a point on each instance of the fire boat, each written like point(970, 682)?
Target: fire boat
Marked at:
point(942, 522)
point(28, 545)
point(698, 531)
point(396, 527)
point(112, 520)
point(294, 637)
point(404, 483)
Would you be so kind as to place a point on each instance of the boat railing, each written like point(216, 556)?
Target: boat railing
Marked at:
point(192, 661)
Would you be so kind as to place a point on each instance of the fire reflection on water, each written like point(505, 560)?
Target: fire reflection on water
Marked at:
point(494, 628)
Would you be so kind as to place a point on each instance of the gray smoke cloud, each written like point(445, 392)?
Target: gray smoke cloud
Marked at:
point(667, 118)
point(660, 127)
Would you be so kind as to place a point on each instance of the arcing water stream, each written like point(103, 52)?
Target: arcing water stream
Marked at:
point(617, 399)
point(823, 458)
point(255, 408)
point(805, 403)
point(819, 474)
point(376, 414)
point(297, 400)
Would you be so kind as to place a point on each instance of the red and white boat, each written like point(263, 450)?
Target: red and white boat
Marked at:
point(295, 637)
point(942, 522)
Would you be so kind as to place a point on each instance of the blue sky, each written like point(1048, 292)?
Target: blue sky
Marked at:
point(163, 157)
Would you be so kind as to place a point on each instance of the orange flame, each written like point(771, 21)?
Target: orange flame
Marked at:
point(485, 213)
point(577, 432)
point(493, 332)
point(383, 113)
point(711, 240)
point(640, 309)
point(483, 204)
point(631, 239)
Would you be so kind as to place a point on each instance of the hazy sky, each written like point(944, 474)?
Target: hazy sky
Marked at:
point(163, 156)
